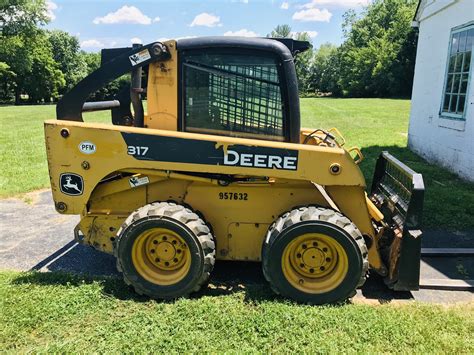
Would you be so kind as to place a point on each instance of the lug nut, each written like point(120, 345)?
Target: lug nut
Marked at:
point(164, 238)
point(174, 242)
point(311, 270)
point(304, 246)
point(315, 244)
point(302, 265)
point(322, 268)
point(325, 249)
point(157, 260)
point(298, 255)
point(178, 251)
point(175, 260)
point(155, 242)
point(152, 251)
point(328, 259)
point(167, 263)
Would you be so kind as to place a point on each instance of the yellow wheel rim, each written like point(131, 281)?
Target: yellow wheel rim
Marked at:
point(161, 256)
point(314, 263)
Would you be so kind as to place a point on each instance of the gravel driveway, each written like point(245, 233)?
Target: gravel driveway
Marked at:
point(33, 236)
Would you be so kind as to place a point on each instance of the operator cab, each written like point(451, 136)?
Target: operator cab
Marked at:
point(228, 86)
point(240, 87)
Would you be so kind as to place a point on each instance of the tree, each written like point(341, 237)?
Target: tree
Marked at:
point(378, 55)
point(303, 64)
point(7, 80)
point(25, 49)
point(110, 90)
point(302, 60)
point(22, 17)
point(281, 31)
point(66, 53)
point(324, 73)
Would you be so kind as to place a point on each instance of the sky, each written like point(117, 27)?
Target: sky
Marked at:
point(111, 23)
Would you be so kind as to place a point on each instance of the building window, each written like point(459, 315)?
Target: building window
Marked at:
point(458, 73)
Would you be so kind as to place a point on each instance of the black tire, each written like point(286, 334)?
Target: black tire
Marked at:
point(315, 220)
point(184, 222)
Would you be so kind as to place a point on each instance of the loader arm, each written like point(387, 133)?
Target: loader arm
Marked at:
point(71, 106)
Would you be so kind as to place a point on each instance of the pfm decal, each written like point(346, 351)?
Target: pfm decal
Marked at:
point(87, 147)
point(139, 57)
point(71, 184)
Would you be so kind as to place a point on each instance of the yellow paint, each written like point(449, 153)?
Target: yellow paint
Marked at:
point(352, 202)
point(271, 191)
point(240, 224)
point(314, 263)
point(373, 210)
point(99, 229)
point(162, 92)
point(245, 240)
point(161, 256)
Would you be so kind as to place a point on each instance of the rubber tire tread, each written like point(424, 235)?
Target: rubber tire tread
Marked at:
point(314, 213)
point(185, 216)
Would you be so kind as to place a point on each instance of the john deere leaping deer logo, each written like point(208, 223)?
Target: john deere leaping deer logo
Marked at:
point(71, 184)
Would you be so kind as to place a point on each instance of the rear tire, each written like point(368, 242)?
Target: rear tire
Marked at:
point(165, 251)
point(314, 255)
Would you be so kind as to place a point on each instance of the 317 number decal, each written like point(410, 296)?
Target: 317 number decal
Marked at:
point(233, 196)
point(137, 150)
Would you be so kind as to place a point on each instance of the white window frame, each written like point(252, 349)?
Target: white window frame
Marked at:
point(449, 115)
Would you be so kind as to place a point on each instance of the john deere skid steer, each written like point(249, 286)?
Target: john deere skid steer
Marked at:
point(219, 168)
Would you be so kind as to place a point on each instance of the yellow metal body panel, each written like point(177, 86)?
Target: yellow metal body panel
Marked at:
point(352, 201)
point(239, 221)
point(111, 156)
point(238, 212)
point(241, 213)
point(162, 92)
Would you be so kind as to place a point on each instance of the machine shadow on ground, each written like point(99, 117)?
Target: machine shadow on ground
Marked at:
point(75, 265)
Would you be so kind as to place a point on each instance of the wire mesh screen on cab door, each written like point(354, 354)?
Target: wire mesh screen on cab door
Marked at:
point(231, 94)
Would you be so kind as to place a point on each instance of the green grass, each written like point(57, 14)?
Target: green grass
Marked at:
point(57, 312)
point(23, 163)
point(373, 124)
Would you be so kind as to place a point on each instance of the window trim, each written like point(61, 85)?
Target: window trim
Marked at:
point(448, 115)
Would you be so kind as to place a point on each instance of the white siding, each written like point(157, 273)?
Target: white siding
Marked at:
point(446, 142)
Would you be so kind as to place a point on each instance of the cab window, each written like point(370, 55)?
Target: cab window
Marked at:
point(232, 94)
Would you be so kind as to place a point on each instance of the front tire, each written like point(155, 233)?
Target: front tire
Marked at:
point(314, 255)
point(165, 251)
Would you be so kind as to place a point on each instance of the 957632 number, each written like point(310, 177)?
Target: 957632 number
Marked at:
point(233, 196)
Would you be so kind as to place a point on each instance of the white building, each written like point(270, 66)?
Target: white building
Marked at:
point(442, 113)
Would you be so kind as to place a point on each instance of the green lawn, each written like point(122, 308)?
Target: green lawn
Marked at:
point(373, 124)
point(60, 313)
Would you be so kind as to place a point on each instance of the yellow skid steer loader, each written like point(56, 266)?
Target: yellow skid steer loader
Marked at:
point(218, 167)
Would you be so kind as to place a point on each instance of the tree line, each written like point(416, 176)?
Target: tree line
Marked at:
point(39, 65)
point(376, 58)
